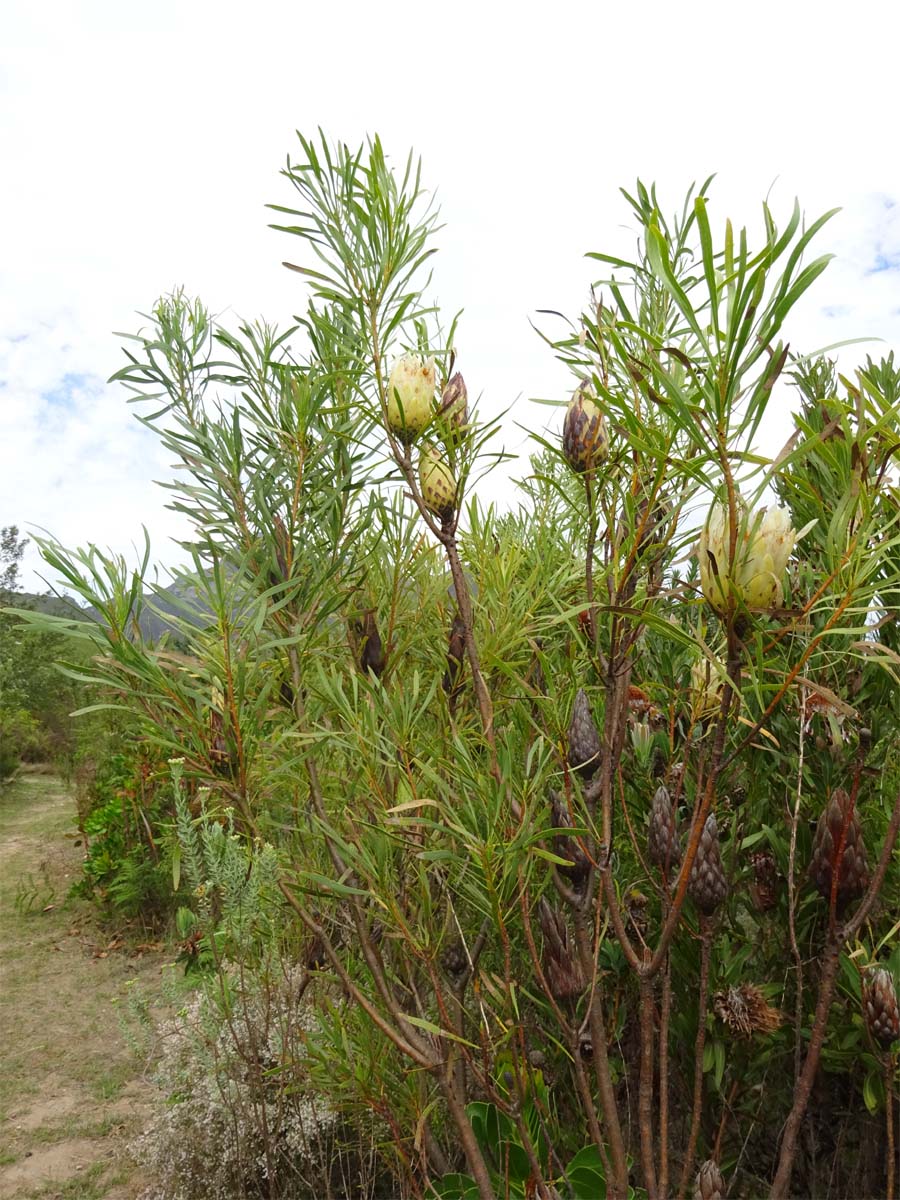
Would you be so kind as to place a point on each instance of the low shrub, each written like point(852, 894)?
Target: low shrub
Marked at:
point(236, 1116)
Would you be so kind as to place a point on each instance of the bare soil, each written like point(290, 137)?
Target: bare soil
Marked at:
point(73, 1092)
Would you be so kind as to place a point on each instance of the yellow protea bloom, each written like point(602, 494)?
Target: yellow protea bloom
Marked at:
point(764, 543)
point(410, 404)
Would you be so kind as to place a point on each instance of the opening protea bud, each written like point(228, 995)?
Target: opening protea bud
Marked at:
point(410, 403)
point(663, 842)
point(454, 406)
point(437, 483)
point(585, 441)
point(578, 864)
point(560, 965)
point(584, 740)
point(709, 1183)
point(880, 1006)
point(854, 871)
point(746, 1011)
point(707, 885)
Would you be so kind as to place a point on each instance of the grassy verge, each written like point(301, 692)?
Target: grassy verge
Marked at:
point(73, 1092)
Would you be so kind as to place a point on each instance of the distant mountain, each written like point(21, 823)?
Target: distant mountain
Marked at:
point(57, 606)
point(158, 610)
point(181, 600)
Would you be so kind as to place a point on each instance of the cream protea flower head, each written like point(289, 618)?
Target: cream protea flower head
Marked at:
point(410, 403)
point(763, 546)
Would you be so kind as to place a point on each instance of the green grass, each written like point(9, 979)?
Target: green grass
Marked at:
point(89, 1184)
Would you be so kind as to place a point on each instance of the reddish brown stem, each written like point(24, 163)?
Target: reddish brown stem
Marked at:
point(474, 1157)
point(802, 1091)
point(645, 1096)
point(889, 1125)
point(699, 1043)
point(618, 1184)
point(664, 1014)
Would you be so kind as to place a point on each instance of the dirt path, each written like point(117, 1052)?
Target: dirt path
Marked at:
point(72, 1092)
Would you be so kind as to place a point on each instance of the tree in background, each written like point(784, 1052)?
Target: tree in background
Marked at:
point(12, 547)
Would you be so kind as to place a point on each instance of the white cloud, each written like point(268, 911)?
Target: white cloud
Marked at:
point(140, 144)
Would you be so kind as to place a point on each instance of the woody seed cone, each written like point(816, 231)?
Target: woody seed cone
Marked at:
point(584, 740)
point(709, 1184)
point(577, 862)
point(560, 965)
point(880, 1007)
point(854, 874)
point(663, 842)
point(707, 885)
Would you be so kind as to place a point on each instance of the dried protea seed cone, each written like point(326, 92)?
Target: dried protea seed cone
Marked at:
point(437, 483)
point(764, 886)
point(709, 1184)
point(566, 847)
point(708, 886)
point(560, 966)
point(584, 740)
point(663, 843)
point(854, 874)
point(880, 1006)
point(372, 657)
point(585, 441)
point(746, 1011)
point(454, 959)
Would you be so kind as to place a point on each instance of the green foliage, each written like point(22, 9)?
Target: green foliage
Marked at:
point(21, 740)
point(122, 812)
point(408, 830)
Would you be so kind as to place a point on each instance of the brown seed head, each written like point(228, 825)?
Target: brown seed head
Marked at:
point(561, 968)
point(568, 847)
point(372, 656)
point(584, 740)
point(663, 842)
point(880, 1006)
point(709, 1184)
point(707, 885)
point(746, 1011)
point(854, 869)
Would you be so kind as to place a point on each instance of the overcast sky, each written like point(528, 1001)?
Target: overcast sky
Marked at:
point(140, 142)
